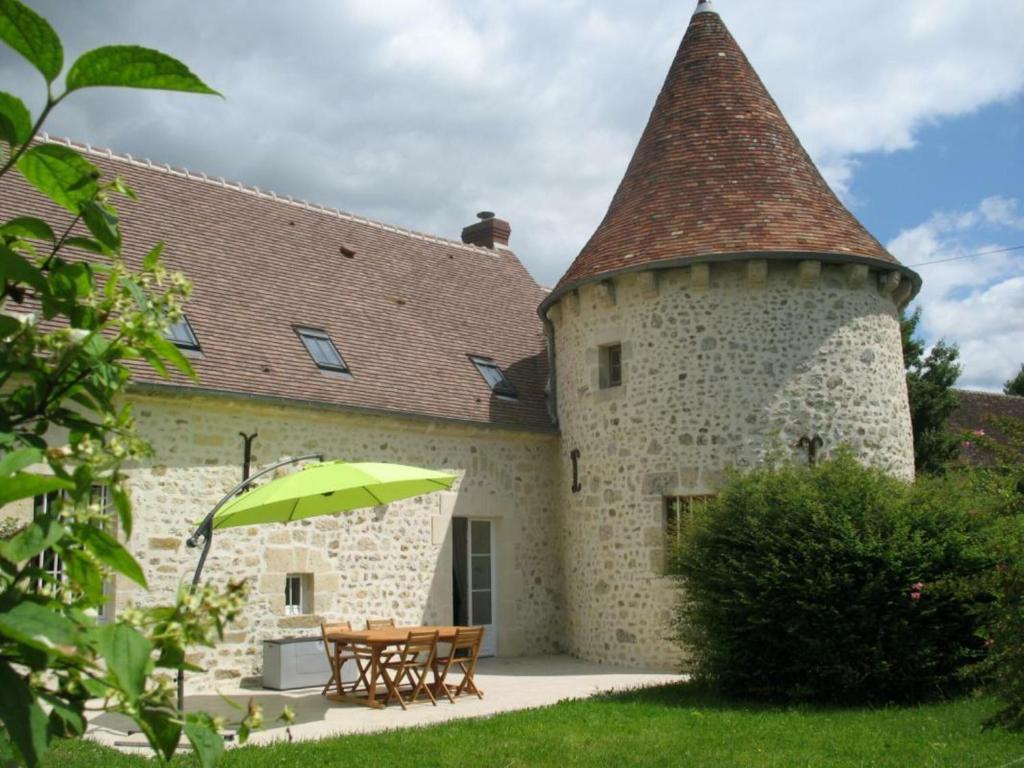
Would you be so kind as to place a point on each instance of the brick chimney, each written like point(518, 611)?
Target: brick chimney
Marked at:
point(488, 232)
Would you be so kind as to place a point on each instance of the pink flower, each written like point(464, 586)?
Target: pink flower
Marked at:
point(967, 443)
point(979, 432)
point(915, 596)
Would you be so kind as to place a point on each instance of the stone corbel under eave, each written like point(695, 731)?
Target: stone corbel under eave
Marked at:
point(648, 283)
point(809, 273)
point(572, 300)
point(856, 275)
point(757, 273)
point(888, 282)
point(555, 312)
point(700, 277)
point(606, 293)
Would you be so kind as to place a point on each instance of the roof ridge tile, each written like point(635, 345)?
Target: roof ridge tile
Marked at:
point(238, 186)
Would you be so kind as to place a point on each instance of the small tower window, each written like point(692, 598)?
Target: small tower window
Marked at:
point(322, 350)
point(494, 376)
point(611, 366)
point(180, 334)
point(679, 512)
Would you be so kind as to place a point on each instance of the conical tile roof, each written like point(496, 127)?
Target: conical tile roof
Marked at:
point(718, 170)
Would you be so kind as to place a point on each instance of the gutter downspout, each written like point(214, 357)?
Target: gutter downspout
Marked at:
point(549, 333)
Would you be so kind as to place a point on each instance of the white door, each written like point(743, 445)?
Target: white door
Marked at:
point(473, 579)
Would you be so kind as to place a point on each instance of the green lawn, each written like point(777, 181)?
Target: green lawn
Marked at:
point(677, 725)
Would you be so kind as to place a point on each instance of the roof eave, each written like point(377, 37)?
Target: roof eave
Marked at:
point(145, 387)
point(722, 258)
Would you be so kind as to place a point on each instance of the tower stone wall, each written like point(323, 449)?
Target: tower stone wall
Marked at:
point(723, 364)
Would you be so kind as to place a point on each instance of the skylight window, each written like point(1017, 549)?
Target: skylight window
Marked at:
point(494, 376)
point(180, 334)
point(322, 350)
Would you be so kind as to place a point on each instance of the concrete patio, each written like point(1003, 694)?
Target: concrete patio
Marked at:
point(509, 684)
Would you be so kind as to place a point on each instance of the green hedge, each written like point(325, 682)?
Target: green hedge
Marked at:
point(835, 584)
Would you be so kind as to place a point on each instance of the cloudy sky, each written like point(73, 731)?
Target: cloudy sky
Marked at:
point(422, 112)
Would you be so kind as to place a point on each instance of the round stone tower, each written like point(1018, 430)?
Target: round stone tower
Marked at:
point(727, 309)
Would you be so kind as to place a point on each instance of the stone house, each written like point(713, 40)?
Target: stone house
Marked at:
point(728, 306)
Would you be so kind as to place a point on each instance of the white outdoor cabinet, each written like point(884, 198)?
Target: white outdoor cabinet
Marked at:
point(299, 662)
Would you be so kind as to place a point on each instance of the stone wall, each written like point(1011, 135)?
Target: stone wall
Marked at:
point(389, 561)
point(722, 365)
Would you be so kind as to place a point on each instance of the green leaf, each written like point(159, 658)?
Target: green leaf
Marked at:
point(15, 461)
point(35, 537)
point(30, 34)
point(22, 485)
point(162, 729)
point(18, 117)
point(15, 268)
point(27, 226)
point(131, 66)
point(123, 505)
point(123, 189)
point(85, 244)
point(173, 355)
point(206, 742)
point(24, 720)
point(60, 173)
point(39, 627)
point(65, 721)
point(127, 654)
point(81, 570)
point(102, 222)
point(153, 257)
point(110, 551)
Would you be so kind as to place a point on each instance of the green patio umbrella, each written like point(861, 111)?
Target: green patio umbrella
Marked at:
point(328, 487)
point(319, 488)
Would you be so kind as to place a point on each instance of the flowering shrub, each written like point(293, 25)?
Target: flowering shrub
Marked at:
point(835, 584)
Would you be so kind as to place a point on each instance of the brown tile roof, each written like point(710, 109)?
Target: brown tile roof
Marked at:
point(973, 414)
point(405, 310)
point(718, 170)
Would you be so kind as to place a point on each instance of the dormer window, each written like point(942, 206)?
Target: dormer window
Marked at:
point(322, 350)
point(180, 334)
point(494, 376)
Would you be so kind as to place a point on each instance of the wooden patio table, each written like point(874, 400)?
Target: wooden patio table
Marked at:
point(379, 640)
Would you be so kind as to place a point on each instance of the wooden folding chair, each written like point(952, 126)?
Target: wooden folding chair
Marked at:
point(380, 623)
point(464, 652)
point(412, 662)
point(347, 655)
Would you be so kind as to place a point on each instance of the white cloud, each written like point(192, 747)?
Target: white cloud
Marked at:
point(975, 301)
point(421, 112)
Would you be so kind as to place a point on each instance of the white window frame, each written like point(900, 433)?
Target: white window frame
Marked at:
point(298, 594)
point(50, 563)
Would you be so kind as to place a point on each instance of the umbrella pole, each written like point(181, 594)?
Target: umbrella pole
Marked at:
point(205, 531)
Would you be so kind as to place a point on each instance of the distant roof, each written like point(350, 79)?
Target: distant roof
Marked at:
point(974, 412)
point(718, 171)
point(404, 309)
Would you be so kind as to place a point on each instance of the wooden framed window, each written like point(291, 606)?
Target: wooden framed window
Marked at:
point(610, 363)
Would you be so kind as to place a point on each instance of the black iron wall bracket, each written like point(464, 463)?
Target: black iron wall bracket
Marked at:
point(575, 456)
